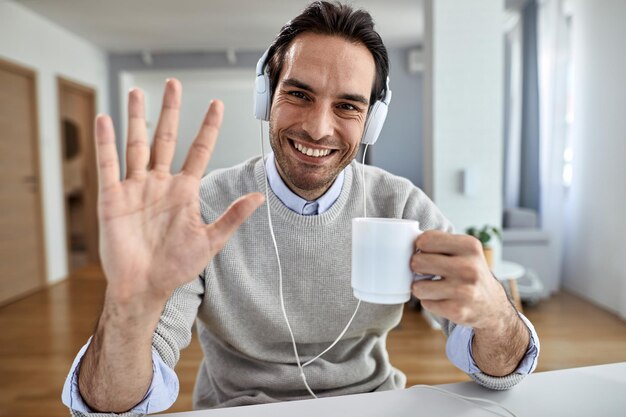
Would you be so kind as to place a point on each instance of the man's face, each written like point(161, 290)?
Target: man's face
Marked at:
point(319, 109)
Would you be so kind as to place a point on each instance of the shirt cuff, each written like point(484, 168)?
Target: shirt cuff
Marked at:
point(160, 396)
point(459, 349)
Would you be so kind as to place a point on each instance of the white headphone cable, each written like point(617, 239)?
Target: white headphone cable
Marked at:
point(358, 304)
point(363, 179)
point(280, 271)
point(471, 400)
point(280, 280)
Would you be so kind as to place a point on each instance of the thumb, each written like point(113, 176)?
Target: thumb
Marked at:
point(223, 228)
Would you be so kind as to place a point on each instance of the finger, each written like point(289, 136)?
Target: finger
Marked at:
point(166, 133)
point(106, 153)
point(456, 268)
point(436, 241)
point(202, 147)
point(423, 263)
point(137, 152)
point(224, 227)
point(433, 290)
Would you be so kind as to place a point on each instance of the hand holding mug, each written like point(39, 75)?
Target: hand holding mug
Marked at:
point(468, 293)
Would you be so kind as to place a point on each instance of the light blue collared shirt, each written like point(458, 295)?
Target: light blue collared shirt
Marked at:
point(163, 390)
point(296, 203)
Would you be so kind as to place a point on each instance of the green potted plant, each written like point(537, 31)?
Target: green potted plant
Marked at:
point(485, 235)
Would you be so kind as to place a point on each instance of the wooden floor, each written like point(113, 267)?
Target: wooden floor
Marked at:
point(41, 334)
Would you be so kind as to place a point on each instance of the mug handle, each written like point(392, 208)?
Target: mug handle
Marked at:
point(419, 277)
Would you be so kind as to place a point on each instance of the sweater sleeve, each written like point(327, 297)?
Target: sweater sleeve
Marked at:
point(173, 333)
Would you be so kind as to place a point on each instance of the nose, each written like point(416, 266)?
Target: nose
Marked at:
point(319, 121)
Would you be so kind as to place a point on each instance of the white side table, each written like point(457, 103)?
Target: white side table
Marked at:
point(510, 272)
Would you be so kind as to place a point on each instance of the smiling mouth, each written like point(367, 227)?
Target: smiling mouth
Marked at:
point(315, 153)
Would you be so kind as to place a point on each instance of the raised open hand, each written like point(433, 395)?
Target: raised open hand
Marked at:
point(152, 237)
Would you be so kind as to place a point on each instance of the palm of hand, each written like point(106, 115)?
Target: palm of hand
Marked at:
point(154, 231)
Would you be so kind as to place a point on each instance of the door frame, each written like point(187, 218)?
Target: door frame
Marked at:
point(91, 196)
point(31, 75)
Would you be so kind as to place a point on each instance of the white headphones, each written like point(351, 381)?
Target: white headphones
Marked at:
point(263, 100)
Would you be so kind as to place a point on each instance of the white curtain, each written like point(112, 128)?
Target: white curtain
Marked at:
point(553, 59)
point(513, 133)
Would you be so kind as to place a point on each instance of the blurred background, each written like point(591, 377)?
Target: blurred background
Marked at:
point(507, 113)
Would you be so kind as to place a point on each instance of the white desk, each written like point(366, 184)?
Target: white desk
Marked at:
point(586, 392)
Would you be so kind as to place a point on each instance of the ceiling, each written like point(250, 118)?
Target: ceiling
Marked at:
point(202, 25)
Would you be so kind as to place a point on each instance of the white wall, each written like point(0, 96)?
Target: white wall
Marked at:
point(595, 242)
point(463, 108)
point(239, 136)
point(31, 41)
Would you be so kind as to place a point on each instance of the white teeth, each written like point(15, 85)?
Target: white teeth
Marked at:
point(311, 152)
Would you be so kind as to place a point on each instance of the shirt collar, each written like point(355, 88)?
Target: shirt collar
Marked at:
point(293, 201)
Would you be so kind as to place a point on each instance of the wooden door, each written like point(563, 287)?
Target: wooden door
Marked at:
point(22, 258)
point(80, 181)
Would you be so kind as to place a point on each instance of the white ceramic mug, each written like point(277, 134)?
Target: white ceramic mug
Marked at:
point(381, 256)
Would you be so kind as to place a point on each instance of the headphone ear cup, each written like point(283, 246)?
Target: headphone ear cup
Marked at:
point(262, 97)
point(374, 123)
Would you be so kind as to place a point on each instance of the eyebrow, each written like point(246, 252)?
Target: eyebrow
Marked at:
point(303, 86)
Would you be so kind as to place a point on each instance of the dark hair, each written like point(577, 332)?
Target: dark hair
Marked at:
point(336, 19)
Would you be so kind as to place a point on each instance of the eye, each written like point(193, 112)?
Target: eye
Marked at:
point(347, 106)
point(298, 94)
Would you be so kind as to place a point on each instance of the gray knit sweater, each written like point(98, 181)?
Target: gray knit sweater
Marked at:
point(248, 357)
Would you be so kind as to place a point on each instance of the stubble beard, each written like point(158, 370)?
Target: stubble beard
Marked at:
point(295, 174)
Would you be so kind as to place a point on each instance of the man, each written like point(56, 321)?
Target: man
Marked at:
point(170, 257)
